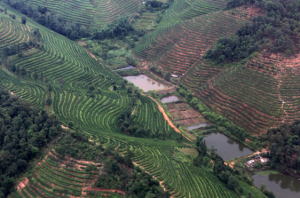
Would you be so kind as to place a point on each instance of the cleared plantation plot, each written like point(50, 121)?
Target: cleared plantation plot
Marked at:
point(13, 32)
point(90, 13)
point(248, 98)
point(60, 176)
point(184, 114)
point(178, 47)
point(245, 12)
point(264, 64)
point(288, 72)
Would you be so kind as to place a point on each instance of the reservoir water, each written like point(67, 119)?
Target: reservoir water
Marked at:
point(123, 68)
point(283, 186)
point(196, 126)
point(226, 147)
point(145, 83)
point(169, 99)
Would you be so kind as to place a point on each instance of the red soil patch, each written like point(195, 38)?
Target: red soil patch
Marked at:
point(183, 113)
point(64, 127)
point(22, 184)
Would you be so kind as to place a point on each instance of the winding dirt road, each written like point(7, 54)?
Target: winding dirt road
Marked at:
point(167, 118)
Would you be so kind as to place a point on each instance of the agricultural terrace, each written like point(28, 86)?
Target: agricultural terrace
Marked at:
point(90, 13)
point(149, 116)
point(178, 47)
point(200, 74)
point(97, 116)
point(57, 175)
point(13, 32)
point(248, 98)
point(287, 74)
point(182, 10)
point(183, 114)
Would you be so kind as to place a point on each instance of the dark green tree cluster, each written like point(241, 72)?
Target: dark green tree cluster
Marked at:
point(127, 124)
point(23, 132)
point(153, 5)
point(45, 17)
point(226, 174)
point(135, 182)
point(284, 143)
point(159, 72)
point(277, 31)
point(117, 29)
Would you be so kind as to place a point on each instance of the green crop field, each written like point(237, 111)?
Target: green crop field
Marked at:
point(61, 58)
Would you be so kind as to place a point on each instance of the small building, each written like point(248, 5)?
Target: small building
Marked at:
point(264, 160)
point(250, 162)
point(174, 76)
point(257, 157)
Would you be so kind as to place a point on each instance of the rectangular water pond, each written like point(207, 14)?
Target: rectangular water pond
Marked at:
point(145, 83)
point(169, 99)
point(196, 126)
point(227, 148)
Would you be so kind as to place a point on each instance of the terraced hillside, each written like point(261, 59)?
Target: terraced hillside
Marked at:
point(250, 99)
point(176, 48)
point(58, 175)
point(97, 116)
point(13, 32)
point(91, 14)
point(256, 96)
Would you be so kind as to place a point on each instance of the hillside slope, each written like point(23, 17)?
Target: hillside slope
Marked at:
point(90, 13)
point(98, 113)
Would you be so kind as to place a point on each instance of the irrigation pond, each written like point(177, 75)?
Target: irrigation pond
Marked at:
point(124, 68)
point(145, 83)
point(281, 185)
point(196, 126)
point(169, 99)
point(227, 148)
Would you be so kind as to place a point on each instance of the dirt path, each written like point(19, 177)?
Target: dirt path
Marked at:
point(107, 190)
point(279, 76)
point(167, 118)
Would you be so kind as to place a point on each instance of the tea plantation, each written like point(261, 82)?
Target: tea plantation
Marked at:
point(72, 71)
point(91, 14)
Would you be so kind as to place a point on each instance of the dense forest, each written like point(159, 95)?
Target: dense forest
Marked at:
point(23, 132)
point(284, 147)
point(277, 30)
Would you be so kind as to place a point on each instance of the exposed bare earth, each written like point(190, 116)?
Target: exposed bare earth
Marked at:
point(184, 114)
point(22, 184)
